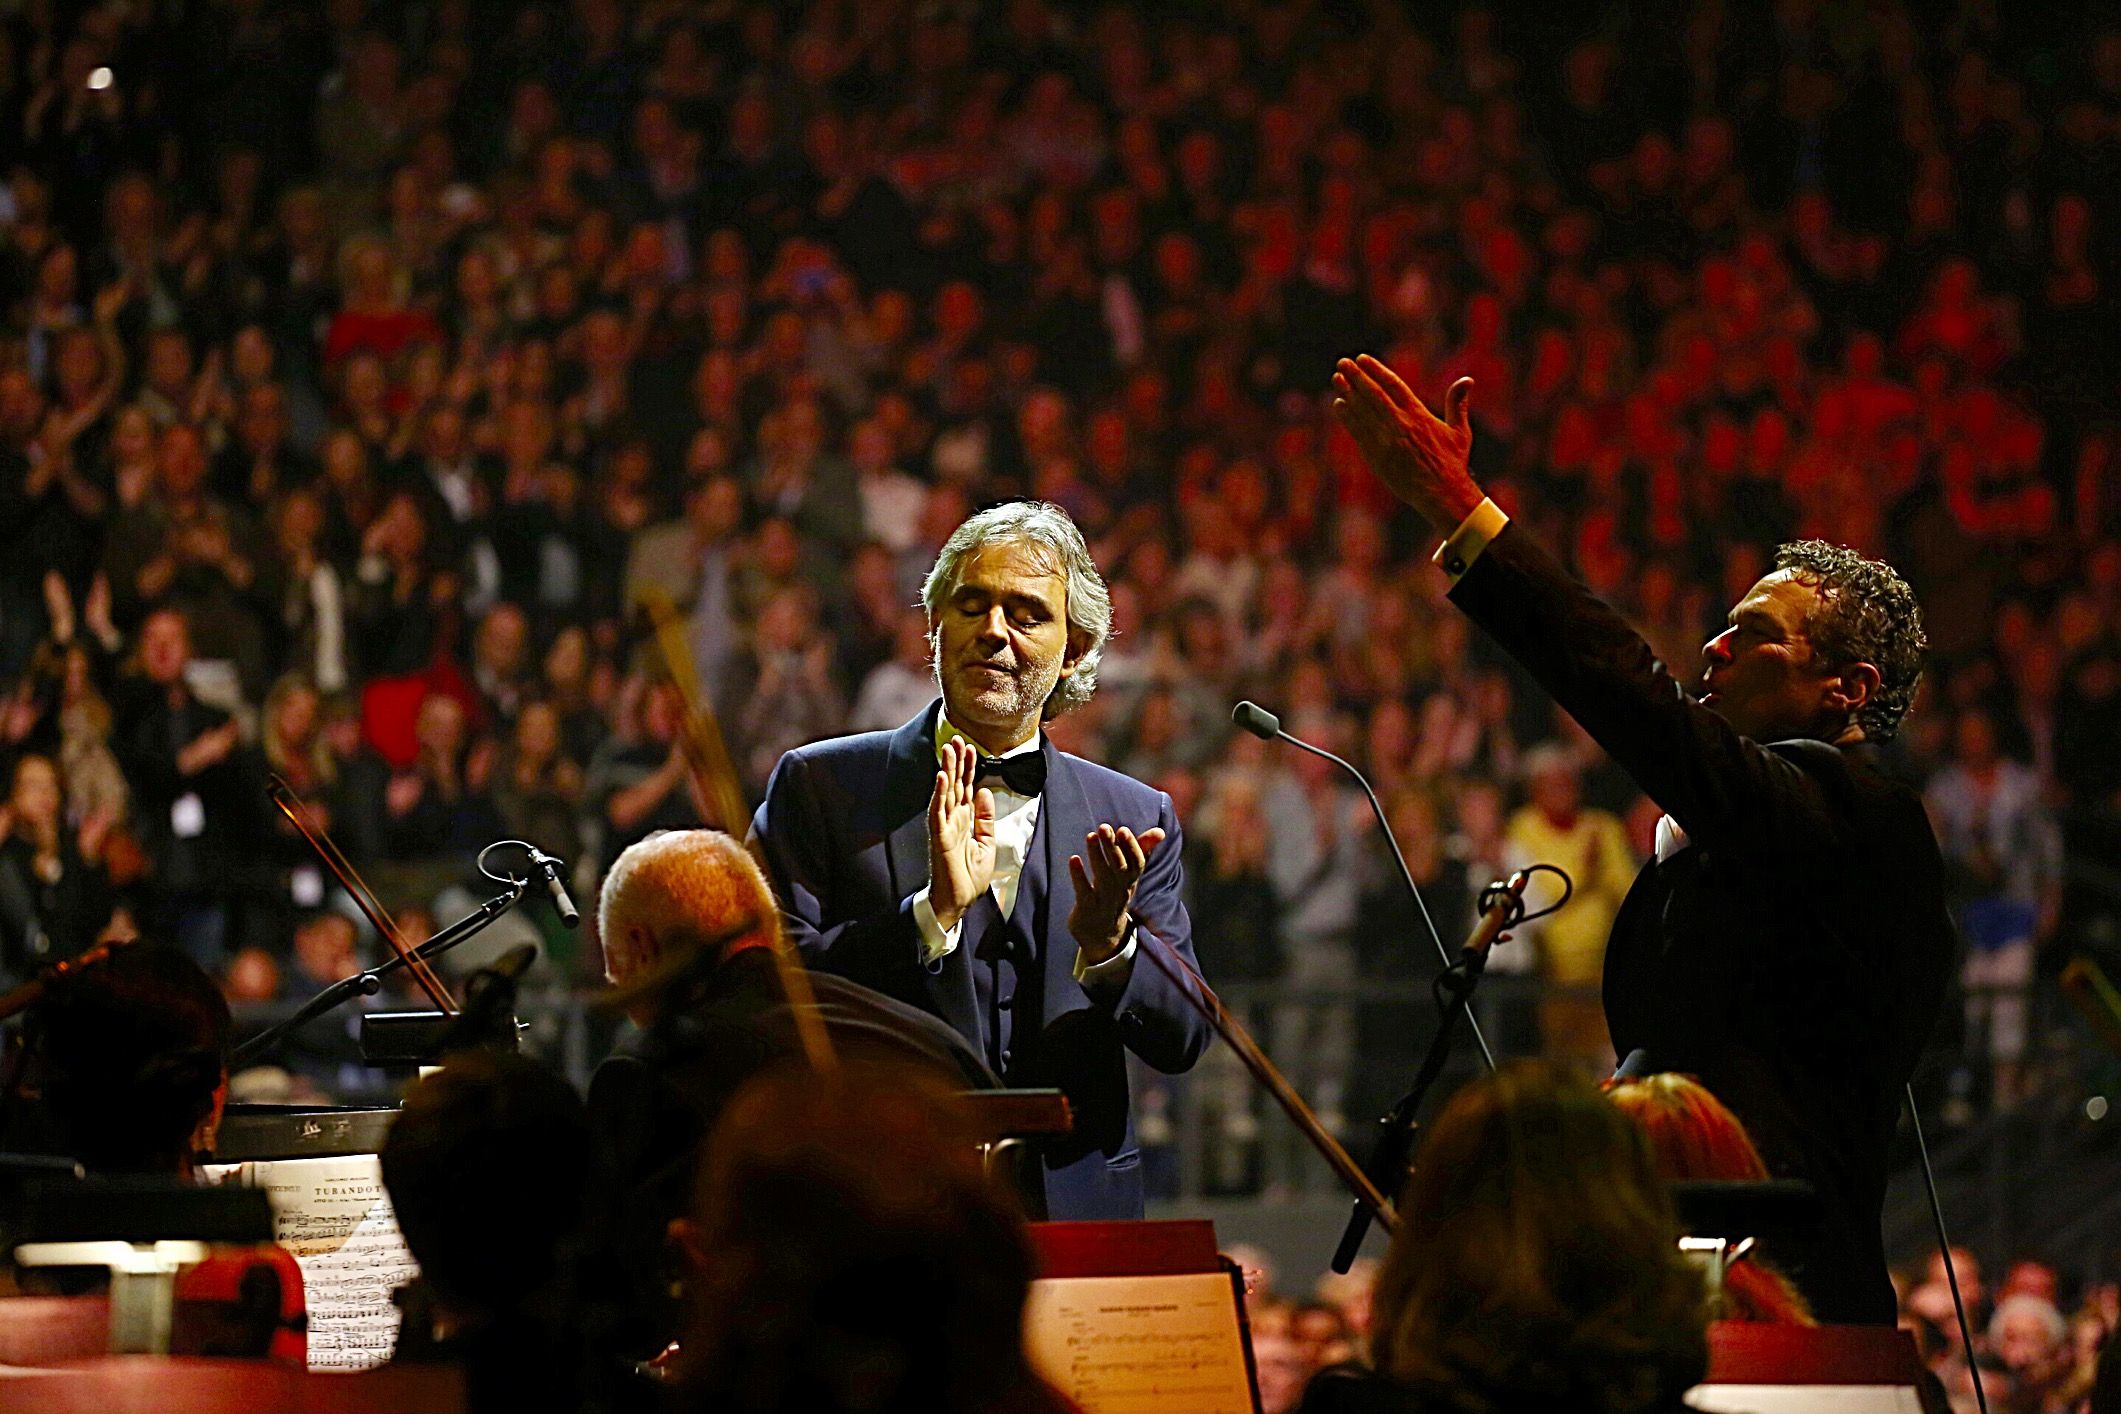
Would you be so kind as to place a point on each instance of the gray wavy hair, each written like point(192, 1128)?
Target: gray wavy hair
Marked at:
point(1089, 604)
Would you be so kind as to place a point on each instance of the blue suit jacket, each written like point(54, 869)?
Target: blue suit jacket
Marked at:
point(844, 830)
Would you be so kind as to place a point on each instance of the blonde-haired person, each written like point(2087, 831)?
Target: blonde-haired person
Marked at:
point(688, 927)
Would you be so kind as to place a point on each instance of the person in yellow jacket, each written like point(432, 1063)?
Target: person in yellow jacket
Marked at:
point(1553, 827)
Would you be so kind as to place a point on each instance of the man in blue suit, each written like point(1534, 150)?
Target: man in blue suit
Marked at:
point(965, 865)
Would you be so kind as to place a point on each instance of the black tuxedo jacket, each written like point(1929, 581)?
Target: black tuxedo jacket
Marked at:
point(1794, 958)
point(844, 830)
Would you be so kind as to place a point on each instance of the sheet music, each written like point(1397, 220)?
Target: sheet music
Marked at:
point(335, 1217)
point(1140, 1344)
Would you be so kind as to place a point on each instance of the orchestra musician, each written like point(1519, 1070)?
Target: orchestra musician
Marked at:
point(689, 931)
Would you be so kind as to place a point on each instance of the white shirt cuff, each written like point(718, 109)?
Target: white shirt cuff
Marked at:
point(1113, 974)
point(1473, 535)
point(937, 943)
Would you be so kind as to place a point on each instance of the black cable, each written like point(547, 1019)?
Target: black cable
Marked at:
point(1455, 982)
point(508, 879)
point(1944, 1247)
point(1518, 915)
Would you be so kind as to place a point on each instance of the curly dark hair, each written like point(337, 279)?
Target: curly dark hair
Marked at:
point(1866, 614)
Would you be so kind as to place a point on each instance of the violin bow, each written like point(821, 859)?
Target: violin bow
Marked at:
point(714, 776)
point(1195, 989)
point(291, 805)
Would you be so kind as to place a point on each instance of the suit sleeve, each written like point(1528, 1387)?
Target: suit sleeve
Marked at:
point(1156, 1021)
point(1724, 789)
point(796, 840)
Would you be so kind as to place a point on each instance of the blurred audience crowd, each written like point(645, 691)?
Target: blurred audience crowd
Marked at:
point(374, 372)
point(2038, 1344)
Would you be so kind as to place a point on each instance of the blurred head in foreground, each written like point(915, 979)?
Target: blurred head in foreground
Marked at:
point(131, 1054)
point(1537, 1263)
point(489, 1165)
point(856, 1257)
point(1696, 1137)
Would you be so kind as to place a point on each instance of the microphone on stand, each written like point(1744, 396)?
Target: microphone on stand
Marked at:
point(555, 885)
point(1267, 727)
point(1501, 906)
point(1258, 721)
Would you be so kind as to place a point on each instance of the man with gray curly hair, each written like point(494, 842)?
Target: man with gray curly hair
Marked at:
point(964, 864)
point(1790, 945)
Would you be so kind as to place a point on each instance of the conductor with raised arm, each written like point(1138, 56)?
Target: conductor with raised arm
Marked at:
point(1789, 945)
point(965, 865)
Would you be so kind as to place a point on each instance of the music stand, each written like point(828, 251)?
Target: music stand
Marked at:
point(1122, 1312)
point(143, 1232)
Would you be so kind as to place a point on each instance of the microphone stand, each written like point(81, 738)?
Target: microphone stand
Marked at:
point(1503, 907)
point(1267, 727)
point(370, 982)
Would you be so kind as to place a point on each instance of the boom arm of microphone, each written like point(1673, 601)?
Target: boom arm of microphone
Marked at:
point(370, 982)
point(1267, 727)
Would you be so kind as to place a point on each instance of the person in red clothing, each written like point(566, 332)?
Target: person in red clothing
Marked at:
point(374, 318)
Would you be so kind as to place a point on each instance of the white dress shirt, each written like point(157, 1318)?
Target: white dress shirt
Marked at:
point(1670, 838)
point(1015, 824)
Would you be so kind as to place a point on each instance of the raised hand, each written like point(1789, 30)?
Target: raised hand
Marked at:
point(208, 748)
point(96, 612)
point(1104, 888)
point(1422, 458)
point(960, 834)
point(58, 607)
point(111, 300)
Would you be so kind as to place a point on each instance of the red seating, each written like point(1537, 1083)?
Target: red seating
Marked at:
point(159, 1384)
point(50, 1330)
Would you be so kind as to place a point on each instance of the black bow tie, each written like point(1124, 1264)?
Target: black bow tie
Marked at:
point(1024, 774)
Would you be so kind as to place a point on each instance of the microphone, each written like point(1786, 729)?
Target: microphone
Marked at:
point(555, 885)
point(1257, 720)
point(1267, 727)
point(1501, 906)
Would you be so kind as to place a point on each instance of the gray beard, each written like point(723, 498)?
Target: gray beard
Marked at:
point(1017, 707)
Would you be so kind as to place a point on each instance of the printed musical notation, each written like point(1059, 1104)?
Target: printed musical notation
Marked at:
point(1140, 1344)
point(335, 1217)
